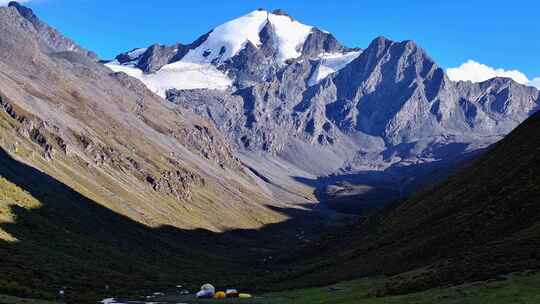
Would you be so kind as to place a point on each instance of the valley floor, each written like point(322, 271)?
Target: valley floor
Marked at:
point(515, 288)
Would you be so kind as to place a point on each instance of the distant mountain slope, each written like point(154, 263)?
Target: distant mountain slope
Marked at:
point(384, 117)
point(49, 36)
point(479, 223)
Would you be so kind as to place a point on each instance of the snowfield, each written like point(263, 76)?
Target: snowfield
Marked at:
point(179, 75)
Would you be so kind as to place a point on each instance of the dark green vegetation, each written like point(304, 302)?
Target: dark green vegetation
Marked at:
point(523, 288)
point(514, 288)
point(16, 300)
point(481, 222)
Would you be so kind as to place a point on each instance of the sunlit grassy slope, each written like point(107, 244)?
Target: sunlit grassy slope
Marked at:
point(11, 194)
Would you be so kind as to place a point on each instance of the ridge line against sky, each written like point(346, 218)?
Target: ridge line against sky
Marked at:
point(476, 39)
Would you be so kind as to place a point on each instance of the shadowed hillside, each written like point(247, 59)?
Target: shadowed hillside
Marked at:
point(58, 237)
point(51, 236)
point(481, 222)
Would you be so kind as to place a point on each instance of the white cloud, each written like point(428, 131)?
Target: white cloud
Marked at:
point(477, 72)
point(535, 82)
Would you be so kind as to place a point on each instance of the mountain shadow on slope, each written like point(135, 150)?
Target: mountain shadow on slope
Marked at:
point(479, 223)
point(71, 241)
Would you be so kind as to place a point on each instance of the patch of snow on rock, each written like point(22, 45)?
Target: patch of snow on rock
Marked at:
point(110, 301)
point(331, 63)
point(136, 53)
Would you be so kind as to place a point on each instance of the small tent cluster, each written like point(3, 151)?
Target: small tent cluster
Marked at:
point(208, 291)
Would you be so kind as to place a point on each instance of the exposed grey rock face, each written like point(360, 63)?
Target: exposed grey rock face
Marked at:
point(387, 108)
point(320, 42)
point(154, 57)
point(393, 91)
point(157, 56)
point(397, 92)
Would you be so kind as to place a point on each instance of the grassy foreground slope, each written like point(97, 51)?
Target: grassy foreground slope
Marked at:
point(481, 222)
point(523, 287)
point(513, 289)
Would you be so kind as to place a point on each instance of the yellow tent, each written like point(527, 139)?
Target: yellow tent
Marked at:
point(220, 295)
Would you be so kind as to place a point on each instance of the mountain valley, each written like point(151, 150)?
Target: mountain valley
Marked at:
point(264, 155)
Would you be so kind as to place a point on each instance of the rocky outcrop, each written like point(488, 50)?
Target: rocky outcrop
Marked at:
point(175, 183)
point(36, 130)
point(157, 56)
point(319, 42)
point(8, 108)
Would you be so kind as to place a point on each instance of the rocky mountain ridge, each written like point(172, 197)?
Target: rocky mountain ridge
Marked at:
point(332, 110)
point(50, 37)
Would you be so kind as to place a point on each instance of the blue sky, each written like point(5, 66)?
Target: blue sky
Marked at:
point(500, 34)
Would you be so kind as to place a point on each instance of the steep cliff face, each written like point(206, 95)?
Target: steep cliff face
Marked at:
point(106, 135)
point(401, 95)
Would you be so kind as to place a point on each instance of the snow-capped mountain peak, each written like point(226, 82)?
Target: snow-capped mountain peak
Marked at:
point(205, 63)
point(226, 40)
point(229, 38)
